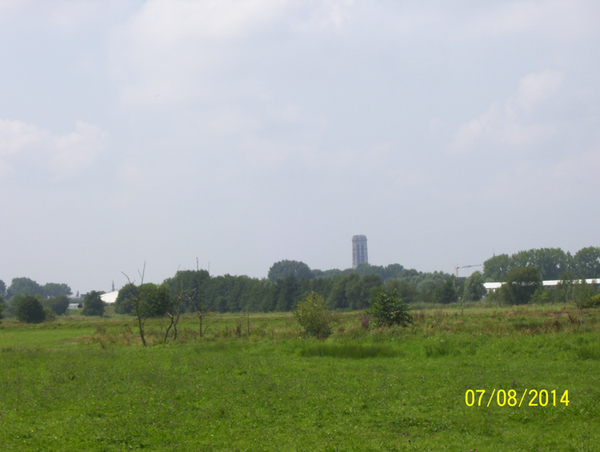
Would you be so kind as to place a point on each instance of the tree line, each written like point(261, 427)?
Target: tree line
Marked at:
point(552, 264)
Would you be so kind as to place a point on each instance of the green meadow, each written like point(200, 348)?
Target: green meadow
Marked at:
point(77, 384)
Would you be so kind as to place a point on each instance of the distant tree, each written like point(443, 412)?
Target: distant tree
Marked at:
point(474, 289)
point(406, 291)
point(426, 292)
point(521, 284)
point(587, 262)
point(446, 293)
point(154, 300)
point(188, 282)
point(124, 300)
point(337, 296)
point(287, 292)
point(24, 286)
point(30, 310)
point(496, 268)
point(56, 290)
point(564, 291)
point(313, 316)
point(388, 309)
point(1, 307)
point(2, 288)
point(58, 304)
point(93, 304)
point(285, 268)
point(552, 262)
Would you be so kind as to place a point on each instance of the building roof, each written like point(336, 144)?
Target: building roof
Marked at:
point(110, 297)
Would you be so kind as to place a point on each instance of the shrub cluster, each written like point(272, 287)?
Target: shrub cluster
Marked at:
point(313, 316)
point(388, 309)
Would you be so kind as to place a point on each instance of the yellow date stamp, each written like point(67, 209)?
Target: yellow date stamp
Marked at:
point(512, 398)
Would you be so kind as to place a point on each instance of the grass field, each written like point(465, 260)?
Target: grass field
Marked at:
point(79, 385)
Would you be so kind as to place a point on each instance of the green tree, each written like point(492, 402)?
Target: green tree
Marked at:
point(285, 268)
point(446, 293)
point(154, 300)
point(388, 309)
point(2, 288)
point(56, 290)
point(124, 301)
point(587, 262)
point(406, 291)
point(58, 304)
point(521, 284)
point(1, 306)
point(24, 286)
point(313, 316)
point(93, 304)
point(30, 310)
point(474, 289)
point(496, 268)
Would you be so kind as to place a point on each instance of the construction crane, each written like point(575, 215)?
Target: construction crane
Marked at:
point(465, 266)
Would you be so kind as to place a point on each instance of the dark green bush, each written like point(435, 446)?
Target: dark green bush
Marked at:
point(388, 309)
point(93, 304)
point(30, 310)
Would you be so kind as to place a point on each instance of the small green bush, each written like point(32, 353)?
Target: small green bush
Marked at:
point(593, 302)
point(313, 316)
point(93, 304)
point(388, 309)
point(30, 310)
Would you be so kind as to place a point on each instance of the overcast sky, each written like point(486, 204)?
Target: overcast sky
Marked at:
point(247, 132)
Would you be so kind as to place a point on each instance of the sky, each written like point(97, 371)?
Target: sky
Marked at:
point(233, 134)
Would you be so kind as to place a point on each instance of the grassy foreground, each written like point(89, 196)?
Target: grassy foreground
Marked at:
point(79, 385)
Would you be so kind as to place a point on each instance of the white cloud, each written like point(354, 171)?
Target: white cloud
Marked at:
point(26, 149)
point(512, 125)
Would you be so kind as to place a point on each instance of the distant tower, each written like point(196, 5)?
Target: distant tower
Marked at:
point(359, 250)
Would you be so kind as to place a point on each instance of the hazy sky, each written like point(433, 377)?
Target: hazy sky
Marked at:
point(247, 132)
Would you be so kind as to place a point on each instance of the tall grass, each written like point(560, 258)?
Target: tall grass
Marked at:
point(351, 351)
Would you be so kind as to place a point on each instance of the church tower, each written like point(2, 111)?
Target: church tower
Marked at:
point(359, 250)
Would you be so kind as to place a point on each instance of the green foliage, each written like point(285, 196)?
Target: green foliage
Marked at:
point(353, 292)
point(521, 284)
point(587, 262)
point(24, 286)
point(27, 286)
point(406, 291)
point(541, 296)
point(552, 263)
point(583, 292)
point(58, 304)
point(93, 304)
point(313, 316)
point(593, 302)
point(474, 289)
point(446, 293)
point(154, 300)
point(1, 307)
point(124, 301)
point(190, 284)
point(30, 310)
point(388, 309)
point(285, 268)
point(49, 314)
point(56, 290)
point(2, 288)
